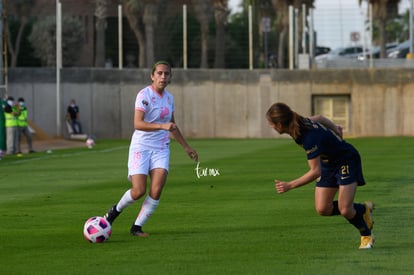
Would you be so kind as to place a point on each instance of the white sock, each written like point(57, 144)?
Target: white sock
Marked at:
point(125, 201)
point(147, 208)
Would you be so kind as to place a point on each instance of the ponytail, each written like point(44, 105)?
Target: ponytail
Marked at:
point(291, 121)
point(294, 125)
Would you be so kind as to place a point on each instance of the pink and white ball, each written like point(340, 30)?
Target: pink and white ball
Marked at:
point(97, 230)
point(90, 143)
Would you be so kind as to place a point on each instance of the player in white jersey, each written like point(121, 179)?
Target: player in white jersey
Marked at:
point(149, 151)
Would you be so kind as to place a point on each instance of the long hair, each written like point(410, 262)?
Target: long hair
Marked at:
point(292, 122)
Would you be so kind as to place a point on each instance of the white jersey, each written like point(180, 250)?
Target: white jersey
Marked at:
point(157, 109)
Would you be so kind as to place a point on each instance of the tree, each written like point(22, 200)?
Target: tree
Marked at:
point(24, 9)
point(101, 13)
point(142, 16)
point(43, 40)
point(133, 11)
point(382, 12)
point(203, 11)
point(150, 19)
point(220, 15)
point(282, 10)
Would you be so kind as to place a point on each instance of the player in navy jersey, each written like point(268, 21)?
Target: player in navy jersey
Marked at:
point(149, 151)
point(333, 163)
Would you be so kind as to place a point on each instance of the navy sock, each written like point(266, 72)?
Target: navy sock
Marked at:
point(358, 220)
point(360, 208)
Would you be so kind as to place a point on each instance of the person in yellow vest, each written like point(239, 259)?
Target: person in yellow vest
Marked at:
point(23, 127)
point(11, 111)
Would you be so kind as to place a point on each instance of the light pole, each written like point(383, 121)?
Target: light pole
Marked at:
point(410, 55)
point(58, 63)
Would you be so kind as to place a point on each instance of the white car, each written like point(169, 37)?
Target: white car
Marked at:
point(348, 52)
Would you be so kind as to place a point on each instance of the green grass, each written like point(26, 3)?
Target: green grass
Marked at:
point(232, 223)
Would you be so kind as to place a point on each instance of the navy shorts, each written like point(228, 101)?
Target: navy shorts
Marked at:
point(346, 172)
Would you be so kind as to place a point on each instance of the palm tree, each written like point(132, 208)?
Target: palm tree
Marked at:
point(150, 19)
point(142, 17)
point(220, 15)
point(282, 10)
point(24, 10)
point(101, 12)
point(202, 10)
point(382, 12)
point(133, 10)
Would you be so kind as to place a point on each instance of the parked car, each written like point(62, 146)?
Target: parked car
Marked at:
point(400, 51)
point(376, 51)
point(339, 53)
point(321, 50)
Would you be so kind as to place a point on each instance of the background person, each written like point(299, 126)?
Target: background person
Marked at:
point(73, 116)
point(335, 164)
point(149, 151)
point(23, 127)
point(11, 111)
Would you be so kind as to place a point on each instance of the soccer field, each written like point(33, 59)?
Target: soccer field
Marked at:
point(222, 218)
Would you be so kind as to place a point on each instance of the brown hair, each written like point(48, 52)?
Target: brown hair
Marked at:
point(159, 63)
point(291, 121)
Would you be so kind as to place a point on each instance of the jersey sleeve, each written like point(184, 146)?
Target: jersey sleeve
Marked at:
point(142, 101)
point(311, 144)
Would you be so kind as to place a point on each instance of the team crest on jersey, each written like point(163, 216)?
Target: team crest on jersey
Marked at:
point(164, 112)
point(153, 99)
point(145, 102)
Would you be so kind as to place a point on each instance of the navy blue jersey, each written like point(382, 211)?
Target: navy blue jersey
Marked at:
point(318, 140)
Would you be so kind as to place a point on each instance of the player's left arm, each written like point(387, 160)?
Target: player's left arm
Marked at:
point(176, 133)
point(327, 123)
point(313, 173)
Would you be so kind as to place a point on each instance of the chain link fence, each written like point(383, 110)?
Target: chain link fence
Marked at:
point(188, 34)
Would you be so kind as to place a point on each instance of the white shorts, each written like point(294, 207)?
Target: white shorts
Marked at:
point(142, 162)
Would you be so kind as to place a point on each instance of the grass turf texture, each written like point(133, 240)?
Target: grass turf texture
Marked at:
point(232, 223)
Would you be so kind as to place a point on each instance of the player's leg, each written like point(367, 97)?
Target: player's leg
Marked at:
point(158, 180)
point(137, 190)
point(138, 167)
point(354, 213)
point(324, 201)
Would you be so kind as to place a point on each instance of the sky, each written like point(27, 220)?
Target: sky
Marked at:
point(335, 20)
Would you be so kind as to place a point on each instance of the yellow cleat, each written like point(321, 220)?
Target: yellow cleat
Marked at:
point(367, 242)
point(369, 206)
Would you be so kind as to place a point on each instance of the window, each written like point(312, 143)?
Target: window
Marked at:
point(333, 107)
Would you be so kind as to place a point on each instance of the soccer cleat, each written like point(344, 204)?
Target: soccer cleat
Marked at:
point(112, 214)
point(367, 242)
point(136, 230)
point(369, 206)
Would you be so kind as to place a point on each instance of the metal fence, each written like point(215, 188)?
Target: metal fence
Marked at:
point(345, 63)
point(194, 34)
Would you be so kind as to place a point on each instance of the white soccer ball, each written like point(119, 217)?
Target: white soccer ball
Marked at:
point(90, 143)
point(97, 230)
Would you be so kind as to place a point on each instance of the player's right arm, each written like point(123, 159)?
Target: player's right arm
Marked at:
point(142, 125)
point(313, 173)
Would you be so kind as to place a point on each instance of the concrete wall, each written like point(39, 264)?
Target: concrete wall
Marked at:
point(217, 103)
